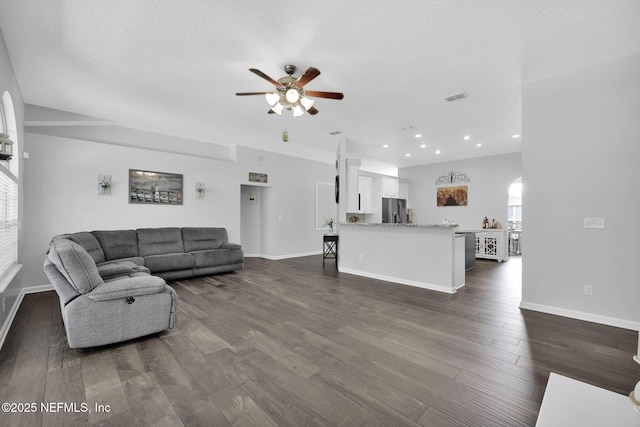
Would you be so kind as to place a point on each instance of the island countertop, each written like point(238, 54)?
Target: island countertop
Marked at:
point(429, 256)
point(386, 224)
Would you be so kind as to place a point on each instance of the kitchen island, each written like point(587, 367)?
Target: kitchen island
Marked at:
point(429, 256)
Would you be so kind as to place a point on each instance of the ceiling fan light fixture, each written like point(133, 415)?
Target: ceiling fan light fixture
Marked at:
point(272, 98)
point(297, 111)
point(307, 103)
point(292, 96)
point(290, 91)
point(278, 108)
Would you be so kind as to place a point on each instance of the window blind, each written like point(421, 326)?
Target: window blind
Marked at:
point(8, 226)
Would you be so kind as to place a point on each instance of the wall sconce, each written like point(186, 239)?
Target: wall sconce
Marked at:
point(104, 185)
point(200, 187)
point(6, 147)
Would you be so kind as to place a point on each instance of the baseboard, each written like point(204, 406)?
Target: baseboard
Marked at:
point(423, 285)
point(580, 315)
point(279, 257)
point(14, 309)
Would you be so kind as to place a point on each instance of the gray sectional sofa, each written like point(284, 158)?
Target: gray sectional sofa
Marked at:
point(111, 284)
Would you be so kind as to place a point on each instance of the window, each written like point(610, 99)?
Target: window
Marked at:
point(8, 227)
point(8, 200)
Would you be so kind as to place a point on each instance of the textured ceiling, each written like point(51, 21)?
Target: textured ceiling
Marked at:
point(174, 67)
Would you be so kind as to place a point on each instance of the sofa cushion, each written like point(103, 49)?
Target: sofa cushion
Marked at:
point(154, 241)
point(90, 243)
point(138, 260)
point(128, 287)
point(169, 262)
point(75, 264)
point(216, 257)
point(119, 268)
point(232, 246)
point(202, 238)
point(118, 244)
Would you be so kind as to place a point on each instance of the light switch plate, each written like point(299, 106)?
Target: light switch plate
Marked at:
point(594, 223)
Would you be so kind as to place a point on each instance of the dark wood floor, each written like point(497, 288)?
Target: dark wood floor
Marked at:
point(288, 343)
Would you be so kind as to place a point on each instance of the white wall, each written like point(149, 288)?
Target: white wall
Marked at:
point(61, 195)
point(488, 189)
point(580, 157)
point(288, 204)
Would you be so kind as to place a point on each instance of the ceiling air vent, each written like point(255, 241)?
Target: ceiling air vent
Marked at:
point(457, 96)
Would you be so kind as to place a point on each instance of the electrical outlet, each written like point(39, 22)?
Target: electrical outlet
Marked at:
point(360, 257)
point(594, 223)
point(588, 290)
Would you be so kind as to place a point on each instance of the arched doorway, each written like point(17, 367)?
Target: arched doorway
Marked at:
point(9, 126)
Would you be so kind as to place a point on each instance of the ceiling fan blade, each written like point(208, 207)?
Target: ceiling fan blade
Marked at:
point(320, 94)
point(251, 93)
point(308, 75)
point(313, 111)
point(264, 76)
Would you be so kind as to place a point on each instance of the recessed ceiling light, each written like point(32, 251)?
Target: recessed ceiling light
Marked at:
point(516, 136)
point(437, 151)
point(423, 146)
point(408, 155)
point(418, 135)
point(385, 146)
point(478, 145)
point(466, 138)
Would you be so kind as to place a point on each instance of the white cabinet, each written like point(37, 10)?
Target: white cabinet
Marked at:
point(492, 244)
point(365, 187)
point(390, 187)
point(352, 178)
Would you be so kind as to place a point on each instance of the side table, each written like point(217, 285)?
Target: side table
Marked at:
point(330, 248)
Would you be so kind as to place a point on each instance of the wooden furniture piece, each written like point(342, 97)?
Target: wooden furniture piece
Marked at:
point(568, 402)
point(330, 247)
point(492, 244)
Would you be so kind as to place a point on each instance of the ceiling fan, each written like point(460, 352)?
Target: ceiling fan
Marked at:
point(290, 92)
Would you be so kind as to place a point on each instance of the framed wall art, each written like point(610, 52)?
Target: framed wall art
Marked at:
point(155, 188)
point(258, 177)
point(452, 196)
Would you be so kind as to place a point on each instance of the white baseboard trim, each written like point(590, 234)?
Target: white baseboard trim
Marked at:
point(279, 257)
point(423, 285)
point(580, 315)
point(36, 289)
point(16, 305)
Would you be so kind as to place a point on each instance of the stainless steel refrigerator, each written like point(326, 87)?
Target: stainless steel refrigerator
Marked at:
point(394, 211)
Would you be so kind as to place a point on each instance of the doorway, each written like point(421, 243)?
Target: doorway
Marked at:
point(251, 227)
point(514, 217)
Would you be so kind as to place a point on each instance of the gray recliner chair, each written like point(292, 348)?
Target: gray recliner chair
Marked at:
point(124, 302)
